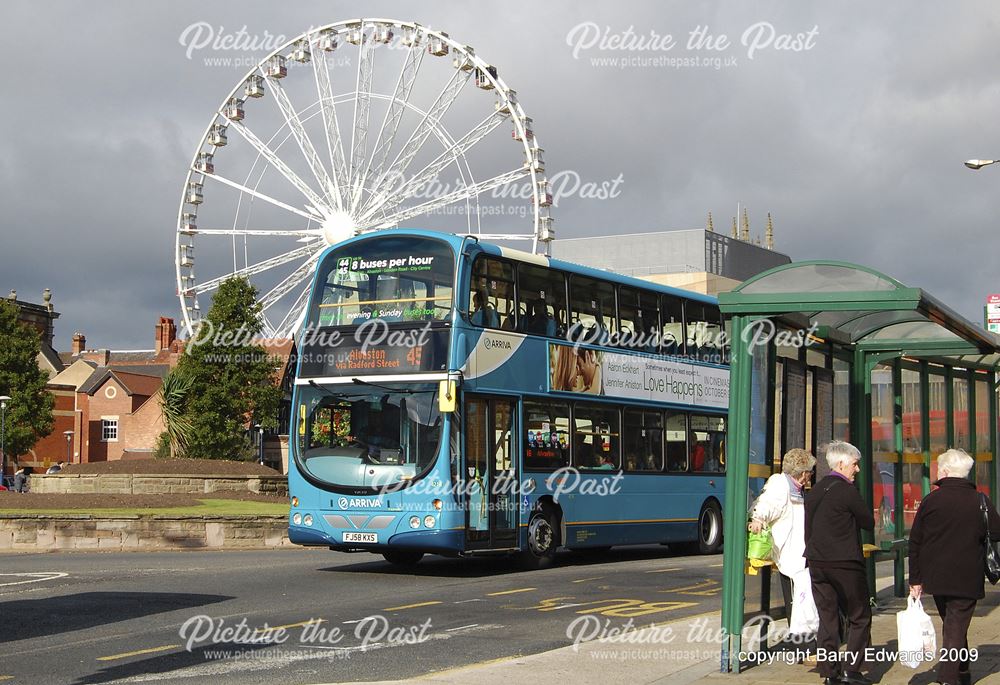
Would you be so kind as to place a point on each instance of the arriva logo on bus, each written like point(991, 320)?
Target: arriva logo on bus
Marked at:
point(355, 503)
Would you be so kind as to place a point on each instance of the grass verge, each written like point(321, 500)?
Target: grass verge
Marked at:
point(208, 507)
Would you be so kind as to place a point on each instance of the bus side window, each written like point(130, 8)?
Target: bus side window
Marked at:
point(541, 296)
point(676, 425)
point(672, 313)
point(491, 294)
point(546, 444)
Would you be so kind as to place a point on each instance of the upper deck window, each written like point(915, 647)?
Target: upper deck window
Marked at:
point(390, 278)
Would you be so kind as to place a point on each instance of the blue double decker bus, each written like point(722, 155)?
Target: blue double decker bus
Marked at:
point(457, 397)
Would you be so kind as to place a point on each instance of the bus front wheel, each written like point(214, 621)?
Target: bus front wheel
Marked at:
point(710, 528)
point(403, 557)
point(542, 540)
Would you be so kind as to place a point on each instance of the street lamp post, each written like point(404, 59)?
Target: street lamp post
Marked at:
point(4, 399)
point(69, 444)
point(260, 443)
point(977, 164)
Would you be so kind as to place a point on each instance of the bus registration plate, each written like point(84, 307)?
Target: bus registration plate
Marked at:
point(361, 537)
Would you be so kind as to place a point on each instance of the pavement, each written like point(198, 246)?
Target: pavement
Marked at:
point(687, 651)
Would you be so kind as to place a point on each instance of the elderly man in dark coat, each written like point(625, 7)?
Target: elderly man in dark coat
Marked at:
point(947, 557)
point(835, 516)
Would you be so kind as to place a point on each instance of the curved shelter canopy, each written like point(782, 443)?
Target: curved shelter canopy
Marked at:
point(859, 306)
point(860, 324)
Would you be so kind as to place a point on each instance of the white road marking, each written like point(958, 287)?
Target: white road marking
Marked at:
point(33, 577)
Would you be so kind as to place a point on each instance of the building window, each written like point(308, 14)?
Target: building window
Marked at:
point(109, 430)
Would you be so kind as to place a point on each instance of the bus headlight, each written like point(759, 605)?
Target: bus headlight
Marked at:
point(414, 522)
point(297, 518)
point(429, 521)
point(307, 519)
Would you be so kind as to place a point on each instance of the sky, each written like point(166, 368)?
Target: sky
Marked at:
point(848, 122)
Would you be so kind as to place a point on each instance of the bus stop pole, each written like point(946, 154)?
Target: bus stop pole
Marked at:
point(737, 466)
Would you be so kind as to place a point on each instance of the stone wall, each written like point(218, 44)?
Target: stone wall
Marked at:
point(152, 484)
point(134, 533)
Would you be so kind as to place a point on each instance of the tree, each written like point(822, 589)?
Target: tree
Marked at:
point(29, 411)
point(173, 396)
point(233, 380)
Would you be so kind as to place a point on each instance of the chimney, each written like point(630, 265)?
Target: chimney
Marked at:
point(166, 333)
point(99, 357)
point(79, 343)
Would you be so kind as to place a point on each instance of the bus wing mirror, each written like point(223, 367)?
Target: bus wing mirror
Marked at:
point(447, 396)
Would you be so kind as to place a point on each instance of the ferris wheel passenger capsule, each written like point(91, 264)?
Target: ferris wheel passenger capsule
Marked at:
point(437, 45)
point(301, 52)
point(536, 159)
point(327, 41)
point(234, 109)
point(483, 77)
point(276, 67)
point(509, 100)
point(194, 195)
point(204, 163)
point(544, 194)
point(187, 255)
point(217, 135)
point(383, 33)
point(355, 34)
point(464, 62)
point(528, 132)
point(254, 87)
point(189, 224)
point(410, 37)
point(546, 232)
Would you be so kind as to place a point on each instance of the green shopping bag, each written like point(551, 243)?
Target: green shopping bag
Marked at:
point(759, 545)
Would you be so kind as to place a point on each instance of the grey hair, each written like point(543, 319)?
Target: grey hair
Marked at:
point(797, 461)
point(838, 451)
point(957, 462)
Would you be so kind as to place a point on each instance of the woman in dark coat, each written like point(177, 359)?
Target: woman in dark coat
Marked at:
point(947, 558)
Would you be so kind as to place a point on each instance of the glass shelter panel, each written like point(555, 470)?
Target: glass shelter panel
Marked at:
point(913, 446)
point(883, 451)
point(983, 455)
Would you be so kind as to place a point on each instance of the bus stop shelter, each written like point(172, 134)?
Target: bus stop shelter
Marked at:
point(825, 350)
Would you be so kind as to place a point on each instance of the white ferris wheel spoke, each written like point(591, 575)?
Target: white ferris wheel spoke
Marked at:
point(305, 144)
point(452, 197)
point(334, 142)
point(362, 113)
point(266, 198)
point(295, 313)
point(397, 105)
point(257, 268)
point(430, 172)
point(279, 165)
point(305, 232)
point(416, 140)
point(289, 282)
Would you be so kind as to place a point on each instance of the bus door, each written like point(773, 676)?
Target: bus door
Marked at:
point(490, 471)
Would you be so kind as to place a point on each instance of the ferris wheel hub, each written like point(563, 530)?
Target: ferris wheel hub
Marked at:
point(338, 226)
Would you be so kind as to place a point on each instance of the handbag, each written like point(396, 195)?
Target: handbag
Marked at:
point(759, 545)
point(992, 558)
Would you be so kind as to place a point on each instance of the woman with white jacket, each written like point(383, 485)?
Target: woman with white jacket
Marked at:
point(781, 507)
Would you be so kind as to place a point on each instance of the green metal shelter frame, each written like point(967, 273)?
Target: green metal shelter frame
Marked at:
point(863, 318)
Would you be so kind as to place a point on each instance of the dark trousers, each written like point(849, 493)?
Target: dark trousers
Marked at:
point(842, 590)
point(956, 614)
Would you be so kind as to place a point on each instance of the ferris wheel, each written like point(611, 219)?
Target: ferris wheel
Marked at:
point(372, 124)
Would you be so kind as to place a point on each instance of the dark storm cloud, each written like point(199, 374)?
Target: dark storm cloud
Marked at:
point(854, 145)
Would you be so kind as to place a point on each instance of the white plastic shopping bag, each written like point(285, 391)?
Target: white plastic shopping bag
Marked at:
point(805, 618)
point(917, 639)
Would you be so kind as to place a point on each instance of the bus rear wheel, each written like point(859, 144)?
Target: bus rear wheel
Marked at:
point(543, 539)
point(403, 557)
point(710, 528)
